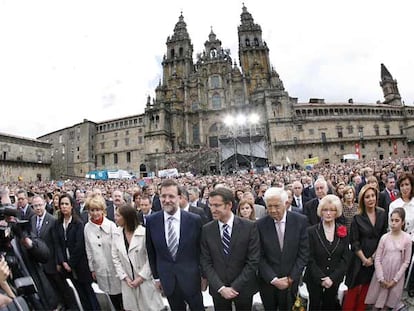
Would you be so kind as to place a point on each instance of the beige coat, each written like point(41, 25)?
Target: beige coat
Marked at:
point(98, 245)
point(146, 296)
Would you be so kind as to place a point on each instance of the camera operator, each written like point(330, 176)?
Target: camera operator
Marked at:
point(23, 255)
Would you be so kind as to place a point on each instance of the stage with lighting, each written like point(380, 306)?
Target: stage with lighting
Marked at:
point(242, 144)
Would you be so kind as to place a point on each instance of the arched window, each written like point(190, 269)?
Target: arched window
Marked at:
point(181, 51)
point(247, 42)
point(256, 42)
point(172, 53)
point(216, 101)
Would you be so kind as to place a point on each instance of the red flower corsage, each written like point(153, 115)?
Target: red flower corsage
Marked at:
point(341, 231)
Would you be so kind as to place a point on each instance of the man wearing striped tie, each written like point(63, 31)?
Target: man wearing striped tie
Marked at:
point(173, 246)
point(230, 254)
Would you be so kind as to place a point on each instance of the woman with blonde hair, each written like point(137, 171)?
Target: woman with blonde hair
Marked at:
point(329, 256)
point(372, 180)
point(366, 230)
point(98, 244)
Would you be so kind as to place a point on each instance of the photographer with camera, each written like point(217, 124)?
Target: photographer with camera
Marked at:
point(23, 254)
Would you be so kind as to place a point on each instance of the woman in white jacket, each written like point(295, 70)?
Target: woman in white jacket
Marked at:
point(98, 243)
point(130, 258)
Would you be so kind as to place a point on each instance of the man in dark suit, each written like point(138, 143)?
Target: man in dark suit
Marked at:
point(144, 210)
point(194, 200)
point(388, 195)
point(310, 208)
point(155, 199)
point(299, 199)
point(184, 205)
point(80, 207)
point(43, 227)
point(230, 254)
point(308, 189)
point(23, 206)
point(173, 247)
point(284, 249)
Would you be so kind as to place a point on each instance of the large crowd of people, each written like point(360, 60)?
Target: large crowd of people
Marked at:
point(237, 235)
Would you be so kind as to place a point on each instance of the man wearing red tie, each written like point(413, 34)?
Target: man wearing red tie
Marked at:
point(389, 194)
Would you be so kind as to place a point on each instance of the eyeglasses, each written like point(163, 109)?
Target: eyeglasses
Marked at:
point(329, 210)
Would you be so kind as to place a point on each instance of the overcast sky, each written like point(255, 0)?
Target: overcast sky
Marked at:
point(65, 61)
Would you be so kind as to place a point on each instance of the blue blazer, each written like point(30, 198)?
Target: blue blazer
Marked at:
point(185, 269)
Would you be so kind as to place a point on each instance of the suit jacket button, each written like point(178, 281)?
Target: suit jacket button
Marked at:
point(329, 258)
point(327, 268)
point(99, 245)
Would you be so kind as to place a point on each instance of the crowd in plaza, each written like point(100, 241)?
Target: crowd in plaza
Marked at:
point(237, 235)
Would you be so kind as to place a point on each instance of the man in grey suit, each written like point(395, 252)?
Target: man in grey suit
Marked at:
point(284, 249)
point(230, 254)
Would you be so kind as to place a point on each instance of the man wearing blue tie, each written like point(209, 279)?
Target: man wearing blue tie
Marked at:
point(173, 246)
point(230, 254)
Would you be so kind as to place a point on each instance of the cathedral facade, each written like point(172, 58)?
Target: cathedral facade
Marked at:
point(215, 114)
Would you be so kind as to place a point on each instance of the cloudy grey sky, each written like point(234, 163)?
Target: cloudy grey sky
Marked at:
point(65, 61)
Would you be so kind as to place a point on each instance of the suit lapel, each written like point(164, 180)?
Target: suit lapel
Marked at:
point(45, 224)
point(183, 224)
point(215, 236)
point(235, 233)
point(289, 228)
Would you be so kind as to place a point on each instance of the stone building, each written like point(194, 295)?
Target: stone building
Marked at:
point(23, 159)
point(215, 114)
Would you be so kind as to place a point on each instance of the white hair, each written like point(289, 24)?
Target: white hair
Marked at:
point(276, 192)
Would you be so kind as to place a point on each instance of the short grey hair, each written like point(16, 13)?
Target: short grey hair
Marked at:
point(275, 192)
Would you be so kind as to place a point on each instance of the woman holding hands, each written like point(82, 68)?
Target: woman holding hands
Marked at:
point(129, 255)
point(329, 256)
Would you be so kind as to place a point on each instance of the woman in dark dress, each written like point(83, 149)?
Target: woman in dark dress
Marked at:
point(72, 258)
point(329, 256)
point(366, 230)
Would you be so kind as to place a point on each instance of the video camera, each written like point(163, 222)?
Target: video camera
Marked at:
point(11, 227)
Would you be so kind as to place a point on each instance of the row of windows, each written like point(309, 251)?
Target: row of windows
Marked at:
point(119, 124)
point(115, 142)
point(350, 130)
point(115, 158)
point(351, 111)
point(126, 134)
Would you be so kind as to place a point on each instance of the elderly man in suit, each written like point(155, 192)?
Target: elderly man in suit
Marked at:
point(284, 251)
point(230, 254)
point(299, 199)
point(173, 247)
point(184, 205)
point(310, 208)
